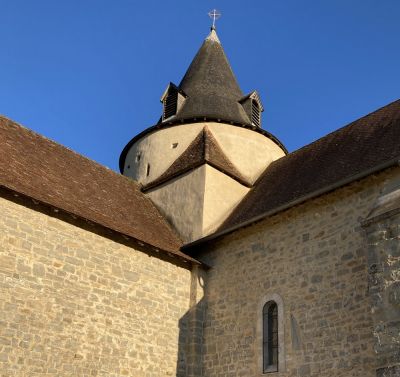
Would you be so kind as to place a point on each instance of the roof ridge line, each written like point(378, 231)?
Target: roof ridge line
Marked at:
point(343, 127)
point(43, 137)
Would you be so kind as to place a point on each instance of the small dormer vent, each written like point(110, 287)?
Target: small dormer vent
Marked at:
point(172, 101)
point(170, 104)
point(255, 113)
point(253, 107)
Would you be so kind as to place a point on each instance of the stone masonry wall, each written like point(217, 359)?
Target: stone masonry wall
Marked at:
point(76, 304)
point(314, 256)
point(383, 236)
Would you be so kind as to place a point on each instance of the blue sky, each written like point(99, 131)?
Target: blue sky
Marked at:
point(89, 74)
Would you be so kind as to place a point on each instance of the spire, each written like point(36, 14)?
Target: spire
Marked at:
point(213, 37)
point(210, 87)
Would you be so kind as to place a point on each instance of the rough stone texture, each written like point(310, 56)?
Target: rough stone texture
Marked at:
point(195, 319)
point(388, 372)
point(77, 304)
point(383, 235)
point(315, 257)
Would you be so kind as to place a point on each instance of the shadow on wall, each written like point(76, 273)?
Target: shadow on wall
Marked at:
point(189, 358)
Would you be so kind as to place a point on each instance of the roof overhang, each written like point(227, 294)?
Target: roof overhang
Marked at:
point(324, 190)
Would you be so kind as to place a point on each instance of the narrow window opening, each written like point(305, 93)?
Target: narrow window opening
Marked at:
point(255, 113)
point(138, 157)
point(148, 170)
point(170, 104)
point(129, 166)
point(174, 145)
point(270, 337)
point(253, 107)
point(172, 100)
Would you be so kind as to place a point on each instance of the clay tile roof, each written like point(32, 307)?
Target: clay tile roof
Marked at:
point(352, 152)
point(52, 174)
point(203, 149)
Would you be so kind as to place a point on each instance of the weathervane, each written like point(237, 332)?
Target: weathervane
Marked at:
point(214, 15)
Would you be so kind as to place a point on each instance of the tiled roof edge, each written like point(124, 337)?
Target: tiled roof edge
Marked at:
point(56, 209)
point(159, 182)
point(73, 214)
point(311, 195)
point(2, 116)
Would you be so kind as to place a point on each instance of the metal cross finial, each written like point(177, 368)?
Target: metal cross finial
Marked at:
point(214, 15)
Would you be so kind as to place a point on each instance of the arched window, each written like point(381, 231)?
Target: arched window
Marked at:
point(270, 337)
point(271, 334)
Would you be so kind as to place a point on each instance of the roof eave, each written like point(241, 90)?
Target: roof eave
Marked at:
point(302, 199)
point(57, 209)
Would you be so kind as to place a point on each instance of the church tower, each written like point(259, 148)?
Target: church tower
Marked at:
point(208, 148)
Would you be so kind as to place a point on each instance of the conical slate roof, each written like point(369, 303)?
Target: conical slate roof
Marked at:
point(211, 87)
point(208, 92)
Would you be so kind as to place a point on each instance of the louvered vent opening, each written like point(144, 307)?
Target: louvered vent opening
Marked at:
point(170, 104)
point(255, 113)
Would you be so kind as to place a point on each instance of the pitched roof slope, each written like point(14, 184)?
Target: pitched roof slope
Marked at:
point(368, 144)
point(203, 149)
point(50, 173)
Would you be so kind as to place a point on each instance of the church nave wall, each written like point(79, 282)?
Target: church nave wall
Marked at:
point(74, 303)
point(314, 256)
